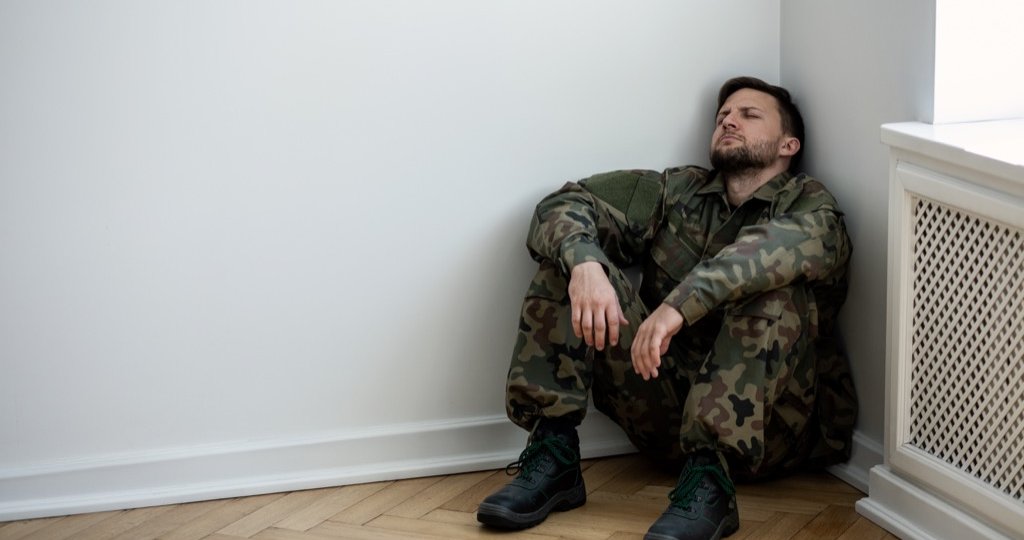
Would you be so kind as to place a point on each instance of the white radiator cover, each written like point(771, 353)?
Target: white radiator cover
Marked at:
point(966, 343)
point(954, 449)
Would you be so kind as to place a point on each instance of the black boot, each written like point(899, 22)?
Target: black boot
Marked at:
point(549, 480)
point(703, 503)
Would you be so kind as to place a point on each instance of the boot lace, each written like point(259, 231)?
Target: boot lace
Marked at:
point(533, 455)
point(686, 491)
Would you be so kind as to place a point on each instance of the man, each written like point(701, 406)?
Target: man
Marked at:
point(724, 363)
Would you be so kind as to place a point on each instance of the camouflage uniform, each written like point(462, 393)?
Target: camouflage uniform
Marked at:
point(755, 372)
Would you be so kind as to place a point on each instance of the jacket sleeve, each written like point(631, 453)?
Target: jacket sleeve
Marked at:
point(608, 218)
point(801, 244)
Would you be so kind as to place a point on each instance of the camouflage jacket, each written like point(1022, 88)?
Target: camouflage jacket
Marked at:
point(697, 253)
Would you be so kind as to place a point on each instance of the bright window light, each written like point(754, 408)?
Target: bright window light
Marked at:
point(979, 60)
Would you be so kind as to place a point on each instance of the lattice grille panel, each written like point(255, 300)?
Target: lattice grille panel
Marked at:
point(967, 348)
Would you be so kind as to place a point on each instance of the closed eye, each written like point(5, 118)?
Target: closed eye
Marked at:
point(747, 112)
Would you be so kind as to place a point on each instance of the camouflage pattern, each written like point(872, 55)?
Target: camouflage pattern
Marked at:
point(755, 372)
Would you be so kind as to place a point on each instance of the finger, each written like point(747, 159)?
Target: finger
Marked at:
point(577, 315)
point(600, 327)
point(655, 364)
point(613, 328)
point(642, 360)
point(620, 319)
point(634, 352)
point(652, 356)
point(652, 353)
point(587, 325)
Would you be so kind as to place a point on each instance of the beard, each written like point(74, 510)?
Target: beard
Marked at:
point(744, 158)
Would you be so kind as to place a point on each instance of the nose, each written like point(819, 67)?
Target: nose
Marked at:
point(729, 120)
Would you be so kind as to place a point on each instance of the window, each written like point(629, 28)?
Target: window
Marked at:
point(978, 50)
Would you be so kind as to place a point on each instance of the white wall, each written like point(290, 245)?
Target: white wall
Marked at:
point(854, 65)
point(248, 230)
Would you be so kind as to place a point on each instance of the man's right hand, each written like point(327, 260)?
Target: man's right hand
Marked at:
point(595, 307)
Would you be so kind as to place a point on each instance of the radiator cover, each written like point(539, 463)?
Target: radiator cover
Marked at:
point(967, 344)
point(954, 412)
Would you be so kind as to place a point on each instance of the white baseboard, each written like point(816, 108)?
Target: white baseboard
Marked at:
point(250, 468)
point(914, 514)
point(867, 453)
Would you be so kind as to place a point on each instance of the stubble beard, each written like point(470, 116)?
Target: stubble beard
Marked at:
point(745, 158)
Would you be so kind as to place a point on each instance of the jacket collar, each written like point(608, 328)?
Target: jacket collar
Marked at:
point(766, 193)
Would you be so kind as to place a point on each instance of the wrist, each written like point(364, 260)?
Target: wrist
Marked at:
point(587, 266)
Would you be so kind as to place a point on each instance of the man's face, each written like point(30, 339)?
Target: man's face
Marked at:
point(748, 133)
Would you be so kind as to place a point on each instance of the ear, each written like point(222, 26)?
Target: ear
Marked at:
point(789, 147)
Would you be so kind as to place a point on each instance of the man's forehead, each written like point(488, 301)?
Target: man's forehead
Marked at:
point(748, 97)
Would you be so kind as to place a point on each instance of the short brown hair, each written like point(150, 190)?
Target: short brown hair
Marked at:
point(792, 121)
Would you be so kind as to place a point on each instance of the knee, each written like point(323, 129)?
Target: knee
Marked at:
point(775, 304)
point(787, 314)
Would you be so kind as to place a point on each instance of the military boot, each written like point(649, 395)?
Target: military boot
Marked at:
point(703, 503)
point(548, 479)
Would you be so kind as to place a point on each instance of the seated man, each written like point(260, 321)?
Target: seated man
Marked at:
point(724, 363)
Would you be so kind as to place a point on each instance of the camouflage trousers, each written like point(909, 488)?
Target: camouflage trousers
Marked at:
point(740, 381)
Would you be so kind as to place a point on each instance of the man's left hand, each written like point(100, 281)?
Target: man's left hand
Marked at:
point(652, 339)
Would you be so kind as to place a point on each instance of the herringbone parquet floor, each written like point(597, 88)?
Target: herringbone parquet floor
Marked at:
point(625, 495)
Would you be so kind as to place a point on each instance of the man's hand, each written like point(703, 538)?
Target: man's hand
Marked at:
point(652, 339)
point(595, 307)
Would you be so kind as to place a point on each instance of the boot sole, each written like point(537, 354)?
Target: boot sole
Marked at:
point(728, 526)
point(502, 518)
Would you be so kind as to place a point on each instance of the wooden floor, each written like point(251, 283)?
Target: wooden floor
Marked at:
point(625, 496)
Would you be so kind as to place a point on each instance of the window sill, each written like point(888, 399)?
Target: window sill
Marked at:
point(995, 147)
